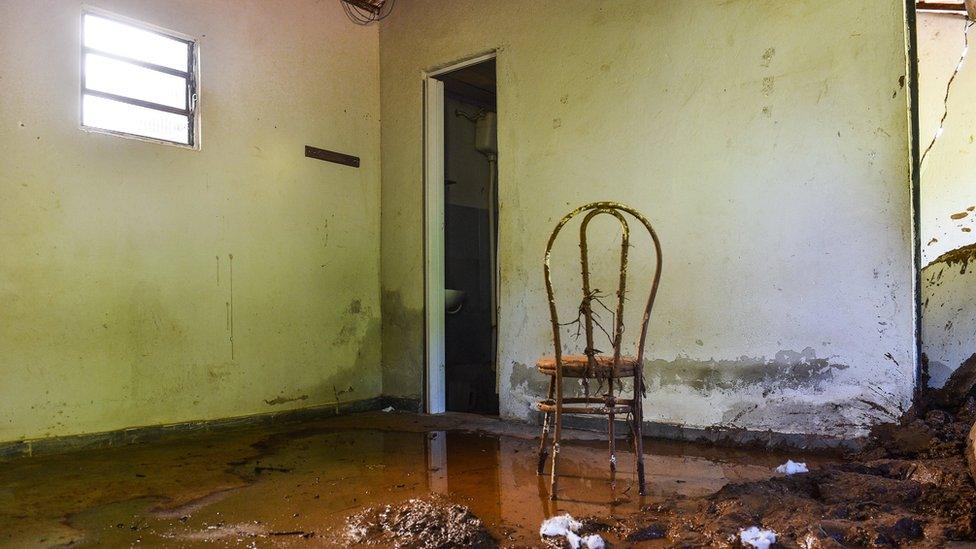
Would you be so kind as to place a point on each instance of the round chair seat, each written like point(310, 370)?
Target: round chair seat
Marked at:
point(577, 365)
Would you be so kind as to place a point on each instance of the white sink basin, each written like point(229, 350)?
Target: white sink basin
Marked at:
point(453, 300)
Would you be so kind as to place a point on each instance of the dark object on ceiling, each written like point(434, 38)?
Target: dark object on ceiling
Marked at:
point(364, 12)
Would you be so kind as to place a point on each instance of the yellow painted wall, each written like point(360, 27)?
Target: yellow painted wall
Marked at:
point(767, 141)
point(115, 254)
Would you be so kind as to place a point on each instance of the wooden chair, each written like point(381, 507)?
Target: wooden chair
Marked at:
point(591, 365)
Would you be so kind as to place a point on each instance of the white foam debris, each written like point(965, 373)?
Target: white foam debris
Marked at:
point(389, 409)
point(559, 525)
point(566, 526)
point(754, 537)
point(791, 468)
point(593, 541)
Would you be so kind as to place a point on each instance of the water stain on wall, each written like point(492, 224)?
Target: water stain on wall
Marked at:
point(353, 320)
point(403, 328)
point(786, 370)
point(948, 314)
point(773, 378)
point(960, 256)
point(529, 377)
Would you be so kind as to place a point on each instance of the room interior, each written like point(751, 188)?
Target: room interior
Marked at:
point(288, 273)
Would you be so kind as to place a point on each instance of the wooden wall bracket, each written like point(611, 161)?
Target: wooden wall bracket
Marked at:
point(331, 156)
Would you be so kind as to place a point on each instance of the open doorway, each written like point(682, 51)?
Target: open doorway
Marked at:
point(947, 197)
point(470, 215)
point(462, 213)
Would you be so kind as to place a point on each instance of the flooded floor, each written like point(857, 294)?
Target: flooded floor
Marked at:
point(297, 484)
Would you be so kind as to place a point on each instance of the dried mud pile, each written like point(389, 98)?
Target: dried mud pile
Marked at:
point(429, 523)
point(909, 487)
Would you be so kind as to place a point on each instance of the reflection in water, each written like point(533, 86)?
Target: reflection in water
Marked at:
point(301, 484)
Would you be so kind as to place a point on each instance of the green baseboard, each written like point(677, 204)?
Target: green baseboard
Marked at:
point(133, 435)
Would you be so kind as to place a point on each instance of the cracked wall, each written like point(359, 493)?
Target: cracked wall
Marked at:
point(771, 157)
point(948, 197)
point(119, 305)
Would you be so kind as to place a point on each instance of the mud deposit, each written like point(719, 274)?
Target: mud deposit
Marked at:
point(436, 481)
point(435, 523)
point(910, 487)
point(297, 485)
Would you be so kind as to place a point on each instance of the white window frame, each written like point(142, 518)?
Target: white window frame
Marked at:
point(192, 111)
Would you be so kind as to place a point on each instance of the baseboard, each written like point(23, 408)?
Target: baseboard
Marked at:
point(132, 435)
point(723, 437)
point(403, 404)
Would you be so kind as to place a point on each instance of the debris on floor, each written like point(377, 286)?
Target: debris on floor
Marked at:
point(592, 541)
point(567, 528)
point(367, 480)
point(432, 523)
point(389, 409)
point(754, 537)
point(909, 486)
point(559, 526)
point(791, 468)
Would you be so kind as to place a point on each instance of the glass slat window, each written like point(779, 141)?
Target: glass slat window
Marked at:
point(137, 81)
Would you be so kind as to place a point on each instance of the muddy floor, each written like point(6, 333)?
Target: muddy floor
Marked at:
point(910, 486)
point(299, 485)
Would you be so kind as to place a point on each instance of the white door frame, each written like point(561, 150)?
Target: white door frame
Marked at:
point(435, 384)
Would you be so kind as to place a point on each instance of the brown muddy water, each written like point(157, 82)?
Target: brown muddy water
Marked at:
point(296, 485)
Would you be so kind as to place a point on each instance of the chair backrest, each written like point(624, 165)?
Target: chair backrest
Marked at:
point(594, 209)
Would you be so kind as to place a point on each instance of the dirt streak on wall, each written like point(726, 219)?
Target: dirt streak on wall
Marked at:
point(949, 312)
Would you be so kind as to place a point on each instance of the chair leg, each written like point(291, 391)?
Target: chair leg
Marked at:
point(557, 434)
point(633, 433)
point(611, 435)
point(613, 445)
point(556, 437)
point(543, 448)
point(639, 443)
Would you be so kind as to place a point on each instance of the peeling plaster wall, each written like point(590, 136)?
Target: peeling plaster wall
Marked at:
point(115, 254)
point(766, 140)
point(948, 176)
point(949, 312)
point(948, 196)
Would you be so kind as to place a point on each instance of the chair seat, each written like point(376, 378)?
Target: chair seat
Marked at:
point(577, 365)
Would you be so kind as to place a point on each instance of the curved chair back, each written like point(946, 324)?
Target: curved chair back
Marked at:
point(616, 210)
